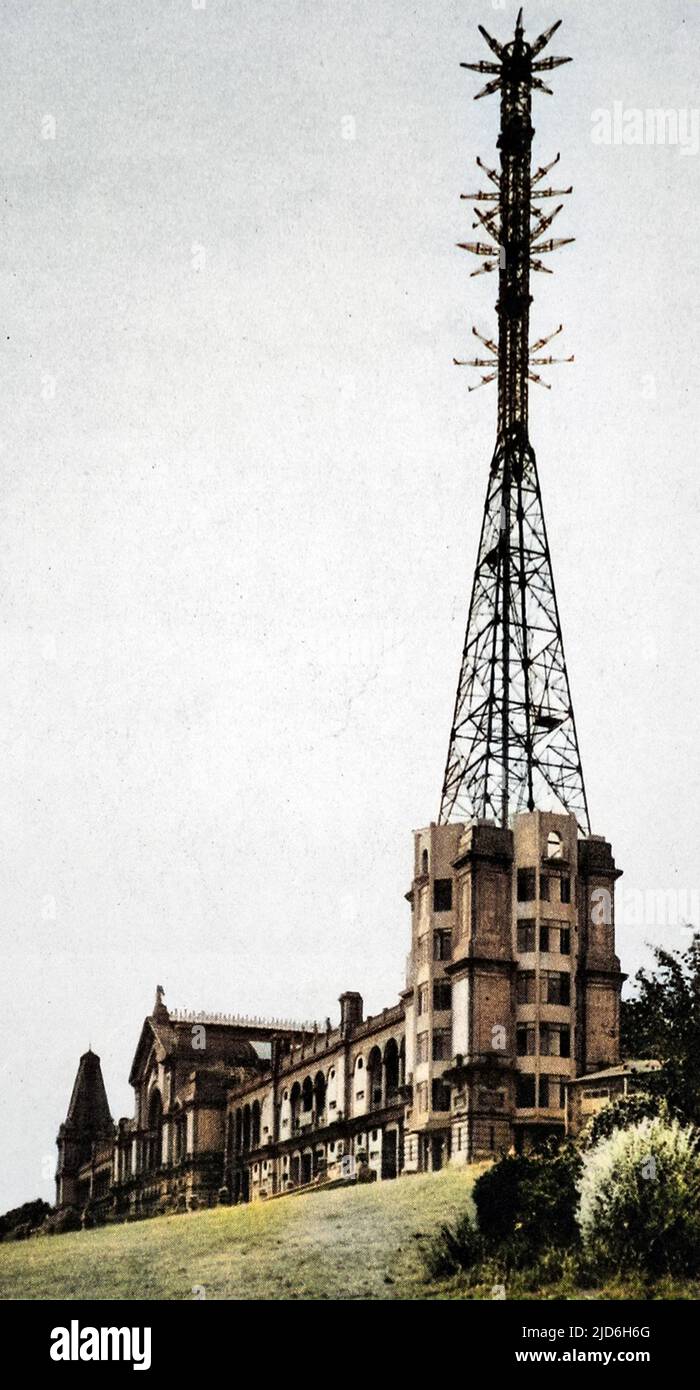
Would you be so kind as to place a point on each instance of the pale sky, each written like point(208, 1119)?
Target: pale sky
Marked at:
point(242, 488)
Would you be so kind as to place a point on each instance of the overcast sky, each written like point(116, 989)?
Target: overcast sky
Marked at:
point(242, 487)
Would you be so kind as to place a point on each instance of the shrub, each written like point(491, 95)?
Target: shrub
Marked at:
point(639, 1199)
point(623, 1112)
point(527, 1202)
point(66, 1219)
point(454, 1249)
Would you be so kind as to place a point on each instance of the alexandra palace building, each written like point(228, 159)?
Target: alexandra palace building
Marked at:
point(512, 990)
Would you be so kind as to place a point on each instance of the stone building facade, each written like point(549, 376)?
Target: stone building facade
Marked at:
point(512, 992)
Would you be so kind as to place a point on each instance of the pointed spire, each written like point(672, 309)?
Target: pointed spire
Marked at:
point(88, 1111)
point(160, 1011)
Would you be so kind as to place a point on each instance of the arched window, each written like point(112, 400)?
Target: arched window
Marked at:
point(424, 862)
point(555, 845)
point(319, 1095)
point(374, 1079)
point(391, 1071)
point(154, 1139)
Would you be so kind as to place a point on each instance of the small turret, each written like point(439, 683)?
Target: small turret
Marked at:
point(88, 1122)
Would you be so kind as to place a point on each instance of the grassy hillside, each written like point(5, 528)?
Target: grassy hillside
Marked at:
point(350, 1243)
point(361, 1243)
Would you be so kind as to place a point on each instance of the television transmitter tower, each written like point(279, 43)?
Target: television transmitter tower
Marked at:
point(513, 744)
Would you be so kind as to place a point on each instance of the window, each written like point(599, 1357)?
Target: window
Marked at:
point(442, 994)
point(555, 936)
point(422, 1095)
point(544, 888)
point(525, 1039)
point(526, 936)
point(424, 863)
point(442, 895)
point(442, 1045)
point(555, 845)
point(555, 987)
point(565, 889)
point(422, 999)
point(555, 1040)
point(442, 945)
point(526, 885)
point(359, 1064)
point(441, 1095)
point(525, 987)
point(421, 956)
point(524, 1091)
point(422, 1047)
point(552, 1093)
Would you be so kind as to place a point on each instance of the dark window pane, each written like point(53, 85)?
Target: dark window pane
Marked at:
point(565, 941)
point(526, 936)
point(524, 1091)
point(526, 885)
point(525, 987)
point(442, 895)
point(442, 994)
point(544, 888)
point(441, 1096)
point(565, 890)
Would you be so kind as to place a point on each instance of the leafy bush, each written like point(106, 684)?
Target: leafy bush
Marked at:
point(454, 1249)
point(527, 1202)
point(639, 1199)
point(623, 1112)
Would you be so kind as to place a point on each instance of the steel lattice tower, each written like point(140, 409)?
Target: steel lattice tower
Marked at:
point(513, 743)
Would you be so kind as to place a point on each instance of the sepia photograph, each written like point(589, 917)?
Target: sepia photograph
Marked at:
point(350, 881)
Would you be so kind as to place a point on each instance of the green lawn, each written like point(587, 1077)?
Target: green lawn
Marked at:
point(351, 1243)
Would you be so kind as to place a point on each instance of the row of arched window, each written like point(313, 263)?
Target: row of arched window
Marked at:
point(376, 1082)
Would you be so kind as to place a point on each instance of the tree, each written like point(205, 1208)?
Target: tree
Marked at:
point(26, 1218)
point(662, 1020)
